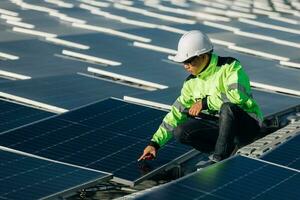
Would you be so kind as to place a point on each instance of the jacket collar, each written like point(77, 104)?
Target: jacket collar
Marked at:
point(210, 67)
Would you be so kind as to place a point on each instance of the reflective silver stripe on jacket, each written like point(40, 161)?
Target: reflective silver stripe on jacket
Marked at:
point(167, 126)
point(224, 98)
point(179, 106)
point(234, 86)
point(239, 87)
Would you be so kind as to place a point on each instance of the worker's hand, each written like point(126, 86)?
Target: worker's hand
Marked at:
point(195, 109)
point(149, 153)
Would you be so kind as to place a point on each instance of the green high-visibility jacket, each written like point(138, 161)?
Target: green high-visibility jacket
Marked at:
point(223, 80)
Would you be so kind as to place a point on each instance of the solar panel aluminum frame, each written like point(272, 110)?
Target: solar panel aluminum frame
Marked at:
point(170, 165)
point(69, 192)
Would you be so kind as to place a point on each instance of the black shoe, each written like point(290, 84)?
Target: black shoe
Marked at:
point(215, 158)
point(204, 163)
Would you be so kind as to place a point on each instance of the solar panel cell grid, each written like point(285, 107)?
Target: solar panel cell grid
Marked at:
point(67, 91)
point(31, 178)
point(14, 115)
point(286, 154)
point(110, 135)
point(107, 136)
point(254, 180)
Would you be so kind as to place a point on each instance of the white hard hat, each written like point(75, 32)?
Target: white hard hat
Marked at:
point(192, 43)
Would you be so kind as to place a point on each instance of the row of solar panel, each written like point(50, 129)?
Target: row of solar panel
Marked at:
point(237, 178)
point(148, 61)
point(81, 132)
point(90, 137)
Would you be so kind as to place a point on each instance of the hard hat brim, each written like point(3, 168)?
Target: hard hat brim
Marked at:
point(179, 59)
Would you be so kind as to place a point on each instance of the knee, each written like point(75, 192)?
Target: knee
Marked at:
point(227, 108)
point(180, 134)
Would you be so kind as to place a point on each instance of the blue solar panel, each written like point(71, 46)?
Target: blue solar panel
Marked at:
point(107, 136)
point(261, 30)
point(43, 21)
point(287, 154)
point(32, 53)
point(236, 178)
point(28, 178)
point(14, 115)
point(237, 39)
point(279, 23)
point(136, 62)
point(258, 45)
point(271, 48)
point(4, 80)
point(270, 103)
point(67, 91)
point(135, 16)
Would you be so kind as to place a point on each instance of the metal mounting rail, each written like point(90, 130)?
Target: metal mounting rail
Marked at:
point(271, 141)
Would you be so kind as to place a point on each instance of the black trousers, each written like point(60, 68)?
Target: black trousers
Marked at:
point(234, 128)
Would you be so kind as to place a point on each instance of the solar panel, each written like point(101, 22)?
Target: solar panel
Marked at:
point(257, 44)
point(97, 20)
point(24, 177)
point(271, 48)
point(14, 115)
point(42, 21)
point(4, 80)
point(270, 103)
point(67, 91)
point(107, 136)
point(279, 23)
point(263, 31)
point(152, 66)
point(166, 96)
point(6, 36)
point(236, 39)
point(136, 62)
point(135, 16)
point(34, 52)
point(236, 178)
point(287, 154)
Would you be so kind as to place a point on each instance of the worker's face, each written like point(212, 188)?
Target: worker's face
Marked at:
point(196, 64)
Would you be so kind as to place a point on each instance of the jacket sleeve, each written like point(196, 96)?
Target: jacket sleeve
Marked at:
point(175, 117)
point(235, 88)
